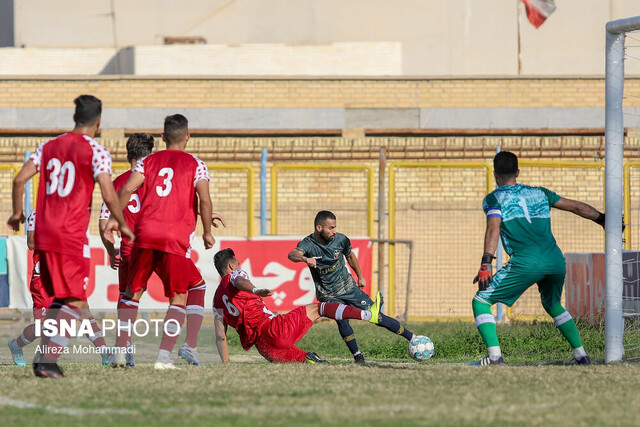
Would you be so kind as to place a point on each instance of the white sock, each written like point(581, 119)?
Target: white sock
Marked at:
point(494, 352)
point(579, 352)
point(366, 315)
point(164, 356)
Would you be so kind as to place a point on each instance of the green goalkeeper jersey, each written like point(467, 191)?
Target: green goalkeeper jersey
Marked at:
point(332, 277)
point(526, 224)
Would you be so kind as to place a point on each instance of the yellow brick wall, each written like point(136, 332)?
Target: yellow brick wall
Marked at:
point(118, 92)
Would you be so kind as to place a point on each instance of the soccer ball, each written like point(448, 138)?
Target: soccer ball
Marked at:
point(421, 348)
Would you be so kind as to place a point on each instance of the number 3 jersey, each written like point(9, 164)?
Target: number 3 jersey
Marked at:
point(169, 202)
point(69, 166)
point(526, 223)
point(243, 311)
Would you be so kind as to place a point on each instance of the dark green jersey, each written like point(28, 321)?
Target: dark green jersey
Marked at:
point(526, 221)
point(332, 277)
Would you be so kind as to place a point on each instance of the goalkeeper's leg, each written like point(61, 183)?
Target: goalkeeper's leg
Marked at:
point(550, 292)
point(486, 324)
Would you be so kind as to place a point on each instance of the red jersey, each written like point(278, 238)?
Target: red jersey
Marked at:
point(69, 166)
point(243, 311)
point(167, 219)
point(130, 213)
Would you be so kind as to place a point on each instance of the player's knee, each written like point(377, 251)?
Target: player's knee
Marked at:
point(178, 299)
point(312, 312)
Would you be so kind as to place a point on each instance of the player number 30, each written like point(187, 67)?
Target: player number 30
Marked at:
point(61, 177)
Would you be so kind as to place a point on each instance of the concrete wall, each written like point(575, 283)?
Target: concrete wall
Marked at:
point(455, 37)
point(297, 103)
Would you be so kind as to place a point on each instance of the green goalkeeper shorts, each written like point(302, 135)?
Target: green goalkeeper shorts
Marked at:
point(512, 280)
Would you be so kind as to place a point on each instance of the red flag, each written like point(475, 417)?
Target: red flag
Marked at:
point(538, 10)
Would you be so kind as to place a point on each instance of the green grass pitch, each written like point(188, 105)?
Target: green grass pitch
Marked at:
point(535, 388)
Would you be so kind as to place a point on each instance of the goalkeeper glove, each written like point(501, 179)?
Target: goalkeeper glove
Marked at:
point(483, 278)
point(600, 221)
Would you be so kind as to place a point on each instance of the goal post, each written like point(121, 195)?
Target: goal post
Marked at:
point(614, 141)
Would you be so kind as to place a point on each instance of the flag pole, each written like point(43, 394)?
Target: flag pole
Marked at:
point(519, 24)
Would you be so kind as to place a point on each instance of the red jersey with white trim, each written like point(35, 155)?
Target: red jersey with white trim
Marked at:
point(167, 219)
point(69, 166)
point(130, 212)
point(244, 311)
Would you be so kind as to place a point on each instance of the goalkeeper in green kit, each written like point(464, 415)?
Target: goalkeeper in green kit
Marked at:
point(521, 216)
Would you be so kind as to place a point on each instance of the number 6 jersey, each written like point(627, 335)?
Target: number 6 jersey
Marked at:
point(243, 311)
point(169, 203)
point(69, 166)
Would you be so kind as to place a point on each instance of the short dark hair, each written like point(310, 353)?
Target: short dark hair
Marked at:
point(322, 216)
point(88, 110)
point(139, 145)
point(176, 127)
point(221, 260)
point(505, 164)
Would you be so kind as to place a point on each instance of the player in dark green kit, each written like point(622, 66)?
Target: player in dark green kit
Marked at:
point(521, 216)
point(324, 252)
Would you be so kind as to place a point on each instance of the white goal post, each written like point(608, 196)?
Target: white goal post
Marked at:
point(614, 141)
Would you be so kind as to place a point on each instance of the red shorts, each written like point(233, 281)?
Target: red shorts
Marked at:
point(177, 273)
point(276, 342)
point(123, 273)
point(64, 276)
point(41, 300)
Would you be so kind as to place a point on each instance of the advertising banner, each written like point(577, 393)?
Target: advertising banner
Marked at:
point(265, 259)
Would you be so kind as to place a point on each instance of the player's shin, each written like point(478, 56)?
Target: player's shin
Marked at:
point(486, 324)
point(127, 314)
point(346, 332)
point(337, 311)
point(97, 338)
point(195, 314)
point(394, 326)
point(52, 347)
point(27, 336)
point(173, 322)
point(565, 323)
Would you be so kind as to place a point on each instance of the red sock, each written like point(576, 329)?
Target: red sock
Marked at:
point(56, 344)
point(97, 338)
point(127, 314)
point(337, 311)
point(172, 325)
point(195, 314)
point(27, 336)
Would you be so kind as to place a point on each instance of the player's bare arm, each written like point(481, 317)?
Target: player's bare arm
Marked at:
point(581, 209)
point(116, 221)
point(491, 237)
point(114, 253)
point(296, 255)
point(28, 170)
point(221, 335)
point(206, 212)
point(352, 259)
point(31, 239)
point(245, 285)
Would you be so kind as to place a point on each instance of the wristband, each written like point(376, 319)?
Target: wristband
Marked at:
point(487, 259)
point(254, 290)
point(600, 220)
